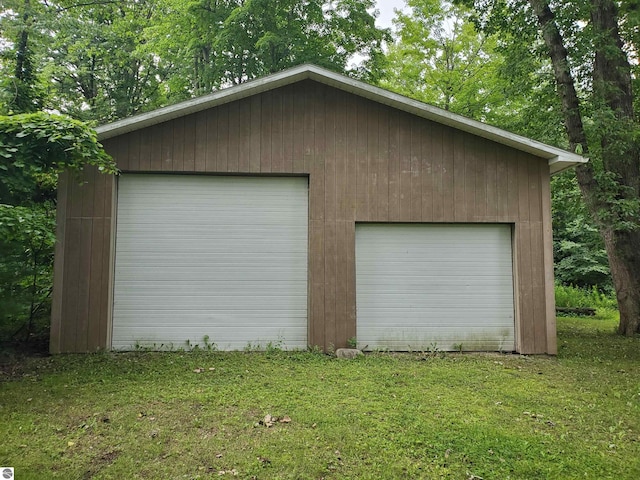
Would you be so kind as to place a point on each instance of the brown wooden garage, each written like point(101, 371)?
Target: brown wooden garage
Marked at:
point(368, 156)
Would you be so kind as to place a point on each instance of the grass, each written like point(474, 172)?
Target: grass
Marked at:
point(381, 416)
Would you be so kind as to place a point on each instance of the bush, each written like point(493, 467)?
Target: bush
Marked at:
point(574, 297)
point(27, 238)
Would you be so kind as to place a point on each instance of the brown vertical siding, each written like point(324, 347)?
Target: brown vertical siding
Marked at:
point(550, 313)
point(365, 162)
point(59, 265)
point(80, 307)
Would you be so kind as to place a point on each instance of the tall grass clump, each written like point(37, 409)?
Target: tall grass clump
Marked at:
point(575, 297)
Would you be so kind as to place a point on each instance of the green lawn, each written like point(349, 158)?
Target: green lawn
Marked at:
point(382, 416)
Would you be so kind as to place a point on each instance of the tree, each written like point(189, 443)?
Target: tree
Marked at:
point(224, 42)
point(27, 238)
point(87, 59)
point(105, 60)
point(440, 58)
point(594, 84)
point(579, 255)
point(98, 60)
point(21, 91)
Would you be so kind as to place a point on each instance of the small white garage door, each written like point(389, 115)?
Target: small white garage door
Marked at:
point(222, 257)
point(444, 287)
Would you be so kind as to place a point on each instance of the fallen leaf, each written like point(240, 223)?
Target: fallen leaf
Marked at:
point(70, 444)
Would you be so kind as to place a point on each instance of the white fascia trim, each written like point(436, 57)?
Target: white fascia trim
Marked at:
point(558, 158)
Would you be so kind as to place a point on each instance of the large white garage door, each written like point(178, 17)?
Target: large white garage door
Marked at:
point(444, 287)
point(223, 257)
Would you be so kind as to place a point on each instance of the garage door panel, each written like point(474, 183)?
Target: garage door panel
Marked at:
point(245, 321)
point(228, 338)
point(421, 284)
point(418, 293)
point(440, 338)
point(224, 257)
point(201, 272)
point(191, 302)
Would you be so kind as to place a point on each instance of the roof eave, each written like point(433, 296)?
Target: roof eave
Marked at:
point(560, 164)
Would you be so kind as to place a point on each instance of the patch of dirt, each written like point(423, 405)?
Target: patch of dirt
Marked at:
point(16, 357)
point(100, 462)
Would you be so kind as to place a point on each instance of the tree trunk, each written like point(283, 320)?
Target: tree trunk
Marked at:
point(612, 86)
point(622, 249)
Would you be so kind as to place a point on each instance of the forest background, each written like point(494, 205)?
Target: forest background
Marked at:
point(560, 72)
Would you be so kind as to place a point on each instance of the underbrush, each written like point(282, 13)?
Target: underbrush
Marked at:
point(605, 304)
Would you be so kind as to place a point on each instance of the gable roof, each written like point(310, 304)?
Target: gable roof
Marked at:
point(558, 158)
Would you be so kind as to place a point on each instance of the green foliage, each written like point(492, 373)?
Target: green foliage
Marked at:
point(441, 59)
point(27, 239)
point(579, 255)
point(575, 297)
point(99, 62)
point(214, 44)
point(444, 55)
point(109, 60)
point(21, 90)
point(33, 146)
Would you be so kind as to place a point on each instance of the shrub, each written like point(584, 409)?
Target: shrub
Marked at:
point(575, 297)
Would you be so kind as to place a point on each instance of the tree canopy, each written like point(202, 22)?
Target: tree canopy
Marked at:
point(100, 61)
point(440, 58)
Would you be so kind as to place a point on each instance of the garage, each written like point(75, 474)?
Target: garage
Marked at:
point(222, 258)
point(434, 287)
point(307, 209)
